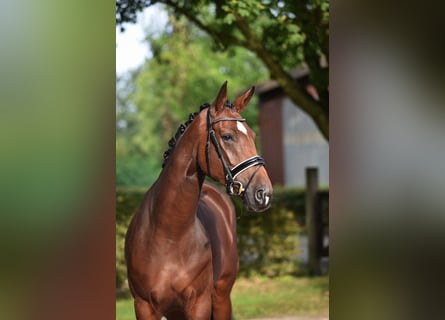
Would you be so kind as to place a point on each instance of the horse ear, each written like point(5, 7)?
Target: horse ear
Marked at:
point(221, 98)
point(242, 101)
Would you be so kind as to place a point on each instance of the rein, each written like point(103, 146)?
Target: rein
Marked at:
point(233, 187)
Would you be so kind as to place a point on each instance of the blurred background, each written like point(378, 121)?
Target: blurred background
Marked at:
point(386, 141)
point(171, 57)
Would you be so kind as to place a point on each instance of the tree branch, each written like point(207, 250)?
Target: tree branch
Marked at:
point(221, 36)
point(290, 87)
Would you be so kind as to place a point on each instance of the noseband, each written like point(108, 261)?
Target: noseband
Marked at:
point(232, 187)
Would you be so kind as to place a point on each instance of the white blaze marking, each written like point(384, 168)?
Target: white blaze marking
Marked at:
point(241, 127)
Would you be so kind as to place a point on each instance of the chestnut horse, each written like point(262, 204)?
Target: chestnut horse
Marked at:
point(181, 246)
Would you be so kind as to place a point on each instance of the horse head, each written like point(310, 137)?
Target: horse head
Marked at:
point(227, 152)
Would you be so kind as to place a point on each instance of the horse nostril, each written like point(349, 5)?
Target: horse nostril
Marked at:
point(259, 195)
point(262, 196)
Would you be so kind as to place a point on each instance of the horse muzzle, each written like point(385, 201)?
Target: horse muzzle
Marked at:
point(258, 199)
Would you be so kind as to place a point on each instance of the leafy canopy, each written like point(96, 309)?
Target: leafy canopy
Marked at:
point(282, 34)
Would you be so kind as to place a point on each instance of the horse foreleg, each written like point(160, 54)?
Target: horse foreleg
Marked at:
point(201, 309)
point(221, 304)
point(144, 310)
point(221, 308)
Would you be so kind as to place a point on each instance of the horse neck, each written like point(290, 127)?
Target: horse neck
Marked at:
point(179, 186)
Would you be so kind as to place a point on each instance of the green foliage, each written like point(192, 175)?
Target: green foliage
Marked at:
point(267, 242)
point(127, 202)
point(121, 270)
point(136, 171)
point(283, 34)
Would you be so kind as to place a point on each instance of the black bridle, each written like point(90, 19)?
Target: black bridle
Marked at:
point(233, 187)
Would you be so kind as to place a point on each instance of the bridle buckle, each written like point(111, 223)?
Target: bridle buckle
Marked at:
point(235, 188)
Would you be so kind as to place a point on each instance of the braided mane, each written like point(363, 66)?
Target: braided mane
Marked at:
point(182, 127)
point(180, 131)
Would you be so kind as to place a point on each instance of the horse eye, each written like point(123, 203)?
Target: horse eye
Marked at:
point(227, 137)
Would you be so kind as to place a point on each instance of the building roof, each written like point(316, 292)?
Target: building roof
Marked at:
point(269, 85)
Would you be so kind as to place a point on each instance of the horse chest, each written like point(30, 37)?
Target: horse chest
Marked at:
point(171, 264)
point(176, 280)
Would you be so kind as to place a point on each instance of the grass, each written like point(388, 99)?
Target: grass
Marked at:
point(284, 296)
point(263, 297)
point(125, 309)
